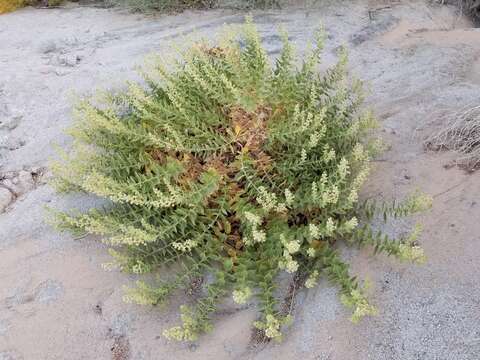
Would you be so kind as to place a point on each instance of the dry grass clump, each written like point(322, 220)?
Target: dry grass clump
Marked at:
point(161, 5)
point(471, 7)
point(461, 134)
point(149, 6)
point(11, 5)
point(467, 7)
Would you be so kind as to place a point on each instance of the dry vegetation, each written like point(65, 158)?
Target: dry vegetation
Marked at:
point(11, 5)
point(461, 133)
point(143, 5)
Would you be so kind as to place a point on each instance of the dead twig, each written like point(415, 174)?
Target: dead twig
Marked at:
point(461, 133)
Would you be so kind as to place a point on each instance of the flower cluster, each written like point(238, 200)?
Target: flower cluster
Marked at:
point(271, 326)
point(356, 300)
point(314, 231)
point(189, 329)
point(289, 197)
point(292, 246)
point(106, 187)
point(268, 201)
point(349, 225)
point(288, 263)
point(253, 219)
point(358, 152)
point(329, 153)
point(312, 280)
point(311, 252)
point(330, 195)
point(131, 235)
point(184, 246)
point(330, 227)
point(141, 267)
point(145, 294)
point(241, 296)
point(418, 202)
point(343, 168)
point(411, 253)
point(257, 235)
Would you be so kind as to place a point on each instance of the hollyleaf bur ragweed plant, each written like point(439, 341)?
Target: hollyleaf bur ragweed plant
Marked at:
point(230, 166)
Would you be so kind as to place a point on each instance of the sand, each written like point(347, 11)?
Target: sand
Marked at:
point(56, 302)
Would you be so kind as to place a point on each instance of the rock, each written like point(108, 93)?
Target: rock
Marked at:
point(11, 144)
point(8, 183)
point(10, 123)
point(60, 72)
point(48, 291)
point(6, 197)
point(49, 46)
point(10, 355)
point(4, 326)
point(374, 28)
point(20, 184)
point(121, 324)
point(69, 60)
point(4, 109)
point(25, 181)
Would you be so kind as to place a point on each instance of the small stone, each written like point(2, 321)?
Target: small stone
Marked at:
point(121, 324)
point(36, 170)
point(10, 355)
point(9, 175)
point(48, 47)
point(4, 326)
point(25, 177)
point(60, 72)
point(8, 183)
point(68, 60)
point(98, 309)
point(193, 347)
point(11, 144)
point(46, 70)
point(25, 182)
point(48, 291)
point(10, 123)
point(6, 198)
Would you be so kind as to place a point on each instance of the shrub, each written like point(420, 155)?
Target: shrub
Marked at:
point(162, 5)
point(179, 5)
point(11, 5)
point(461, 133)
point(230, 166)
point(470, 7)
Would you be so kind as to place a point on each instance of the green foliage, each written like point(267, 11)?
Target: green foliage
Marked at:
point(179, 5)
point(231, 166)
point(162, 5)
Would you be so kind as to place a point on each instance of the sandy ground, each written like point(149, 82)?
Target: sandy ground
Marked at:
point(57, 303)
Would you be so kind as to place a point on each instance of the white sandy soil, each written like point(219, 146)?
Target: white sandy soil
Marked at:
point(56, 302)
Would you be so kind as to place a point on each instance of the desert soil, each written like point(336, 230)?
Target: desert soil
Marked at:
point(419, 59)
